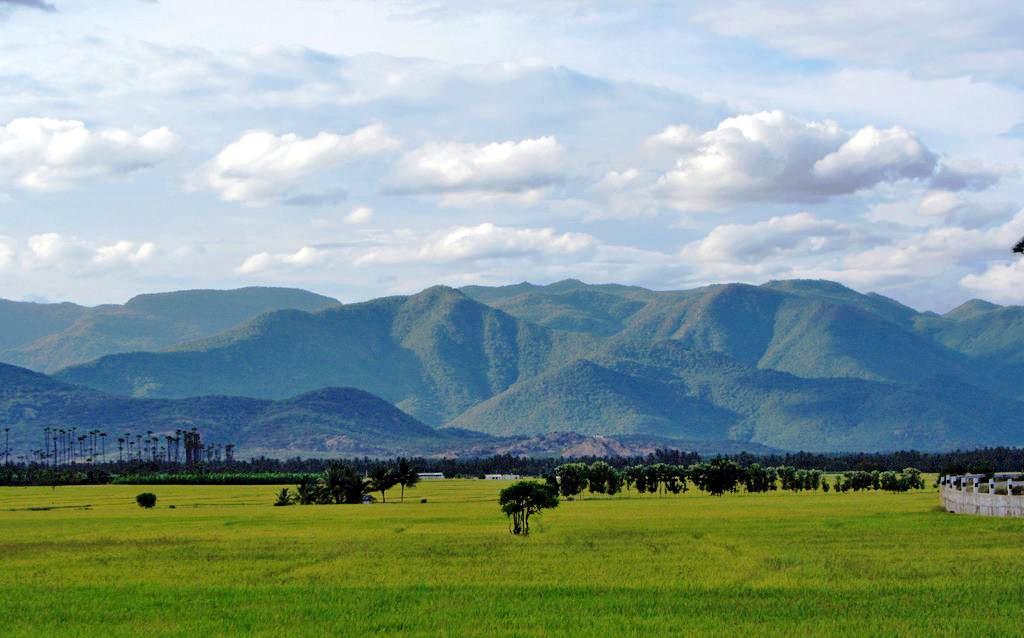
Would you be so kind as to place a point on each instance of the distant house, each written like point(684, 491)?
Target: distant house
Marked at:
point(501, 477)
point(430, 476)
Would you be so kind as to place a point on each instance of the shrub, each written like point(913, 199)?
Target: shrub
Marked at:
point(284, 498)
point(146, 500)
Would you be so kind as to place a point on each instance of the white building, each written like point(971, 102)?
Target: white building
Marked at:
point(501, 477)
point(430, 476)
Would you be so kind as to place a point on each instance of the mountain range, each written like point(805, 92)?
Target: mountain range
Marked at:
point(788, 365)
point(48, 337)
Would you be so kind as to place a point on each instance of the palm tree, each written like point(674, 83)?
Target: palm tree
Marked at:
point(382, 478)
point(407, 475)
point(343, 484)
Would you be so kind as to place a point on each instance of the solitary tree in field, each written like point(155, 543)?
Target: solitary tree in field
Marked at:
point(382, 478)
point(522, 500)
point(146, 500)
point(407, 475)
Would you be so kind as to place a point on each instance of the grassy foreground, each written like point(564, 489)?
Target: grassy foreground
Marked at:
point(224, 561)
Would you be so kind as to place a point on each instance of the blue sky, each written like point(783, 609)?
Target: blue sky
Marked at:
point(368, 148)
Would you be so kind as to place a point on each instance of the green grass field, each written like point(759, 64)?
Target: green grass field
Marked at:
point(224, 561)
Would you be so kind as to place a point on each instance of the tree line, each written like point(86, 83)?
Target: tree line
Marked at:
point(717, 477)
point(981, 461)
point(525, 499)
point(341, 483)
point(262, 469)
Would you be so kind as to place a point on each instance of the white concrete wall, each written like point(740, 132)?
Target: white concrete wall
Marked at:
point(968, 502)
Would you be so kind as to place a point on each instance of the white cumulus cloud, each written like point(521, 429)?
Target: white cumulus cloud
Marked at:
point(124, 252)
point(933, 252)
point(484, 241)
point(56, 250)
point(783, 236)
point(260, 167)
point(773, 157)
point(44, 154)
point(872, 156)
point(938, 207)
point(359, 215)
point(499, 168)
point(262, 262)
point(1002, 282)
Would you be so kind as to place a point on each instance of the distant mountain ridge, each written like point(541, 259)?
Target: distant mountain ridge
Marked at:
point(327, 422)
point(797, 364)
point(434, 354)
point(48, 337)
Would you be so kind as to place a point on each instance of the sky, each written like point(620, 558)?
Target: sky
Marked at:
point(362, 149)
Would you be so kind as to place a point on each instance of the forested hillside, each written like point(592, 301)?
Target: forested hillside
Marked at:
point(791, 365)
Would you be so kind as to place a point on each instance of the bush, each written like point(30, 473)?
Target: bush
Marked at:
point(284, 498)
point(146, 500)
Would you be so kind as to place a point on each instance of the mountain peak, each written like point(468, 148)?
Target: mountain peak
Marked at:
point(808, 285)
point(439, 290)
point(970, 309)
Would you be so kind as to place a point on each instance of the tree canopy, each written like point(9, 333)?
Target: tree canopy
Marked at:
point(521, 500)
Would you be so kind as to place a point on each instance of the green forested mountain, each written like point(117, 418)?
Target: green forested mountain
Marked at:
point(670, 390)
point(22, 322)
point(588, 398)
point(433, 354)
point(47, 337)
point(567, 305)
point(330, 421)
point(791, 364)
point(815, 329)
